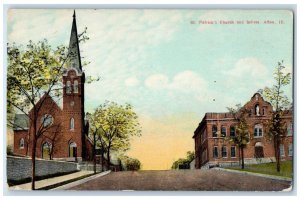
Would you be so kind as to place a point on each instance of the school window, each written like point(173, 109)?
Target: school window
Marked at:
point(224, 152)
point(290, 149)
point(290, 129)
point(233, 152)
point(75, 86)
point(214, 131)
point(282, 154)
point(223, 131)
point(215, 152)
point(232, 131)
point(258, 130)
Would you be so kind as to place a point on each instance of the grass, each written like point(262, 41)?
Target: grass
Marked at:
point(286, 169)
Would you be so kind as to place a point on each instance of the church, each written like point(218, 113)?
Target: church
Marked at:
point(212, 148)
point(67, 136)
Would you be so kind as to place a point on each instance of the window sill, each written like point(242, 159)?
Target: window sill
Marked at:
point(257, 136)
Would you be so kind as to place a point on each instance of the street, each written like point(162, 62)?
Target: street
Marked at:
point(184, 180)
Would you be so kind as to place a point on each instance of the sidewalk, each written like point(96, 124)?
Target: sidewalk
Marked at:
point(255, 174)
point(51, 181)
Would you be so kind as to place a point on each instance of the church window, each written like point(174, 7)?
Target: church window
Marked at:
point(72, 123)
point(258, 130)
point(68, 87)
point(22, 143)
point(75, 86)
point(214, 131)
point(47, 120)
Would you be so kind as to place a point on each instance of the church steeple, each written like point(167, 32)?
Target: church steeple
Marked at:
point(74, 53)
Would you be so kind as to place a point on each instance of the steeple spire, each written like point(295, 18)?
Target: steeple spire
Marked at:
point(74, 53)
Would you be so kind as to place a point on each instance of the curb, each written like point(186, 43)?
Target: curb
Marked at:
point(255, 174)
point(75, 183)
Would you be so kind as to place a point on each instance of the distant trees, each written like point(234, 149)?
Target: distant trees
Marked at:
point(130, 164)
point(113, 126)
point(280, 103)
point(184, 162)
point(241, 137)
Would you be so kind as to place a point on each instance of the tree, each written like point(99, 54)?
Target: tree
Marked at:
point(131, 164)
point(33, 72)
point(184, 162)
point(114, 125)
point(241, 137)
point(34, 76)
point(280, 103)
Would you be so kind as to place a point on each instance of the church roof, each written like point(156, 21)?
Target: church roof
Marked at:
point(74, 52)
point(21, 122)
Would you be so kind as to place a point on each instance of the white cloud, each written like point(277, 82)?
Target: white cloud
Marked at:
point(131, 82)
point(157, 81)
point(248, 67)
point(185, 81)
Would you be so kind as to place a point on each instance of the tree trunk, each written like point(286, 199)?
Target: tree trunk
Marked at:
point(242, 151)
point(277, 153)
point(108, 159)
point(102, 160)
point(94, 153)
point(33, 162)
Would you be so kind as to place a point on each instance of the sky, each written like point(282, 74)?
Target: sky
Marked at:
point(170, 67)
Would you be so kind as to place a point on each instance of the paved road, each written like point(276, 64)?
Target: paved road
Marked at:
point(186, 180)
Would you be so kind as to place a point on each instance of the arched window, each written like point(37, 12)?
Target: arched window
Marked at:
point(72, 149)
point(22, 143)
point(223, 131)
point(72, 122)
point(257, 110)
point(232, 131)
point(46, 150)
point(258, 130)
point(75, 86)
point(47, 120)
point(214, 131)
point(68, 87)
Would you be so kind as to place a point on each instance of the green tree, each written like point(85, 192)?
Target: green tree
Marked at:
point(33, 72)
point(241, 137)
point(280, 103)
point(114, 125)
point(131, 164)
point(184, 162)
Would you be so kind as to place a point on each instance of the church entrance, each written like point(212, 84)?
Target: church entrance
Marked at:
point(46, 148)
point(73, 150)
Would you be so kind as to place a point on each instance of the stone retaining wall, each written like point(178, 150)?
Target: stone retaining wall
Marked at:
point(19, 168)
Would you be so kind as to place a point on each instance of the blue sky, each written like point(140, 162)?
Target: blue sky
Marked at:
point(170, 70)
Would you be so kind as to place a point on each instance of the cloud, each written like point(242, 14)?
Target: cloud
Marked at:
point(131, 82)
point(157, 81)
point(248, 66)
